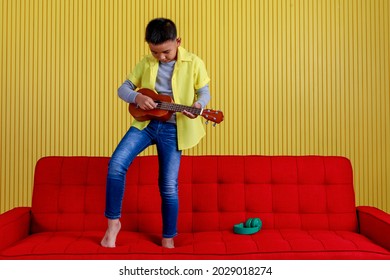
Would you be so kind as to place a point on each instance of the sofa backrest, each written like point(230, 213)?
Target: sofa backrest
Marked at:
point(215, 192)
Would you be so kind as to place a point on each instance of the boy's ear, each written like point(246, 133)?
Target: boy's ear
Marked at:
point(178, 41)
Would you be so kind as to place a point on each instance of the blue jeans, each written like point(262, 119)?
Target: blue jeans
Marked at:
point(164, 135)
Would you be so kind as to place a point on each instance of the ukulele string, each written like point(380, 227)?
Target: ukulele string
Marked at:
point(177, 107)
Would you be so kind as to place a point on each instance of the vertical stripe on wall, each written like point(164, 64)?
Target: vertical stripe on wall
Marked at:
point(292, 77)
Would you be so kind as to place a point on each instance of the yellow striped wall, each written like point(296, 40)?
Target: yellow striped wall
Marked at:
point(292, 77)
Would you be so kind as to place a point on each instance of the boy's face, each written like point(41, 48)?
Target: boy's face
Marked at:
point(166, 51)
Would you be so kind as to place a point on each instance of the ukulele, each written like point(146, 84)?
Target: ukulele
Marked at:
point(166, 107)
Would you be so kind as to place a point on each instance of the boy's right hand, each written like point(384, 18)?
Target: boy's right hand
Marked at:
point(145, 102)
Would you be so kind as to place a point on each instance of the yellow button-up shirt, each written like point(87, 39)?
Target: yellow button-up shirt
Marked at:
point(188, 75)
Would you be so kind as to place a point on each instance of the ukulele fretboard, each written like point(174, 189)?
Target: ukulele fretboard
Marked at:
point(177, 108)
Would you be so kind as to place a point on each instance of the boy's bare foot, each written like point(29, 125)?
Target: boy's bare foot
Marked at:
point(168, 243)
point(112, 231)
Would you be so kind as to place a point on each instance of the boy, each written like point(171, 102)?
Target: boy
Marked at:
point(173, 71)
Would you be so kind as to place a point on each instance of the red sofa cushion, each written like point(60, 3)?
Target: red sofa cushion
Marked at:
point(216, 192)
point(267, 244)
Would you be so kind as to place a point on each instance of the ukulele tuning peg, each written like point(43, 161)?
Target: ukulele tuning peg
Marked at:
point(206, 122)
point(214, 124)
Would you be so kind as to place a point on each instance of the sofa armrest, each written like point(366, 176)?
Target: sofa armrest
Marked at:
point(14, 226)
point(374, 224)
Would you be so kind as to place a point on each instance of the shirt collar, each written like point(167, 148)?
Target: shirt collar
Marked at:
point(182, 55)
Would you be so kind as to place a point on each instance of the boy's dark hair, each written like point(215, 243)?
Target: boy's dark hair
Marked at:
point(160, 30)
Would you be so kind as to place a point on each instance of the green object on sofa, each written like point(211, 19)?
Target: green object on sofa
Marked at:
point(251, 226)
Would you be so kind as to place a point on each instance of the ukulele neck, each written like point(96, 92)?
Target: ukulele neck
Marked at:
point(178, 108)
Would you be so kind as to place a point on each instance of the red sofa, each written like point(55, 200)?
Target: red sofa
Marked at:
point(306, 204)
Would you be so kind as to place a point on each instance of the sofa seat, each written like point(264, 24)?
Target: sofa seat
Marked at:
point(306, 204)
point(267, 244)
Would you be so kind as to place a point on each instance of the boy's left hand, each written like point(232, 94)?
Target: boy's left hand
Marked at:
point(190, 115)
